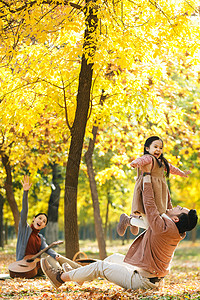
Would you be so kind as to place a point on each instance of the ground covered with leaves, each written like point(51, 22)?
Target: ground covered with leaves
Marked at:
point(183, 282)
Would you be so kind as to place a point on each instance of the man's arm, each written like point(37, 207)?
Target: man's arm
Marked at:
point(146, 179)
point(153, 217)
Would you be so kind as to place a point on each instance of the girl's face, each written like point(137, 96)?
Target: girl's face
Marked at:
point(156, 148)
point(39, 222)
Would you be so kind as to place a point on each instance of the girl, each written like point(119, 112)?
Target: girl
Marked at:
point(153, 154)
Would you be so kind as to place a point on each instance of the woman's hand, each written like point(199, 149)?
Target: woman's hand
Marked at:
point(25, 183)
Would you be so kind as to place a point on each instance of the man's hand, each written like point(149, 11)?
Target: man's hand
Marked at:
point(25, 183)
point(147, 168)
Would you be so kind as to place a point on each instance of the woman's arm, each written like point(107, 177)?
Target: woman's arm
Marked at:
point(50, 251)
point(24, 212)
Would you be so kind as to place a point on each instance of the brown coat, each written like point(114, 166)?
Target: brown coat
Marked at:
point(160, 188)
point(153, 249)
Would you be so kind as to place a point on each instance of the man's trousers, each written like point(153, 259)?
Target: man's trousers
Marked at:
point(114, 270)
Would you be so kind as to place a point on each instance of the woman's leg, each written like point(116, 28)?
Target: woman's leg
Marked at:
point(72, 263)
point(58, 264)
point(53, 262)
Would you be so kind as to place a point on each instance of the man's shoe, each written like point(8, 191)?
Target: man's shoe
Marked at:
point(51, 273)
point(66, 267)
point(124, 222)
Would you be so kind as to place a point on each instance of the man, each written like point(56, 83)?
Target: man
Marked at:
point(149, 256)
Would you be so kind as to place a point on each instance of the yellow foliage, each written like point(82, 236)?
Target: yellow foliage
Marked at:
point(146, 60)
point(108, 174)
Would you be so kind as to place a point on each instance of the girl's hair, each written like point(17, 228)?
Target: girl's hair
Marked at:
point(147, 144)
point(42, 214)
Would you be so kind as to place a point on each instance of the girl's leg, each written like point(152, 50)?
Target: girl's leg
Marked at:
point(139, 221)
point(145, 220)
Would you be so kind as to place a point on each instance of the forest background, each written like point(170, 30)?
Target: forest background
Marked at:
point(82, 85)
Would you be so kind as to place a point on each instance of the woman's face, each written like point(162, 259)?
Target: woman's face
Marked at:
point(156, 148)
point(39, 222)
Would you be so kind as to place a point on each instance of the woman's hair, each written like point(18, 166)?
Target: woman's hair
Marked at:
point(147, 144)
point(42, 214)
point(187, 221)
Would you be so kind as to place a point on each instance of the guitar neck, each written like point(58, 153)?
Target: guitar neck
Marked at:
point(42, 251)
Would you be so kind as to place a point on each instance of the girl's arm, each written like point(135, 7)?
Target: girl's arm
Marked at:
point(141, 161)
point(177, 171)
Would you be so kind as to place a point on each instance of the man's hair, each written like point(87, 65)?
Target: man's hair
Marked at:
point(187, 221)
point(42, 214)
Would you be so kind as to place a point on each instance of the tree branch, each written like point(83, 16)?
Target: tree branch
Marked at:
point(164, 14)
point(30, 4)
point(65, 102)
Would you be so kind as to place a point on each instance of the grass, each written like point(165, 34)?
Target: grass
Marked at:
point(183, 282)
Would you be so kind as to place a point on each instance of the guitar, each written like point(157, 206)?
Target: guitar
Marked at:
point(28, 267)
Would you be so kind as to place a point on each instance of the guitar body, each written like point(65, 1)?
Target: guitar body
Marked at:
point(23, 268)
point(28, 267)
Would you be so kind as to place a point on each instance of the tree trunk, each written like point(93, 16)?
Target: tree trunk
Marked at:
point(78, 133)
point(6, 232)
point(107, 214)
point(110, 232)
point(51, 232)
point(194, 234)
point(95, 200)
point(9, 191)
point(1, 222)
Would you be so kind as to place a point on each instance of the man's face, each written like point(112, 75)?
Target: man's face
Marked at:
point(176, 211)
point(39, 222)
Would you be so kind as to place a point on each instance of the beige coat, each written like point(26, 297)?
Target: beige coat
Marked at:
point(160, 188)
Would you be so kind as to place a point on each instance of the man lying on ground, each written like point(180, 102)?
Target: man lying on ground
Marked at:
point(148, 258)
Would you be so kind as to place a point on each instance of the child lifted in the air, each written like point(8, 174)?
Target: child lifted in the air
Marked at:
point(153, 155)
